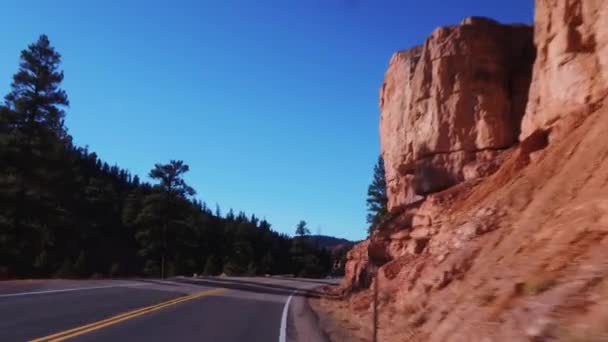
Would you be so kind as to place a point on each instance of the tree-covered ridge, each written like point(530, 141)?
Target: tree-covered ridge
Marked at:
point(65, 212)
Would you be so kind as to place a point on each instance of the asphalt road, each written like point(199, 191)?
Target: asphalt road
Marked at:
point(221, 309)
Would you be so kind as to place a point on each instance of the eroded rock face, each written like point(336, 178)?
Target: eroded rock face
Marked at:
point(447, 105)
point(356, 269)
point(571, 71)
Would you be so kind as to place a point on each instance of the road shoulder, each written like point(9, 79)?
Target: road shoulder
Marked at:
point(303, 323)
point(336, 321)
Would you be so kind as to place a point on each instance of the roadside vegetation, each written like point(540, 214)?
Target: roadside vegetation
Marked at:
point(65, 212)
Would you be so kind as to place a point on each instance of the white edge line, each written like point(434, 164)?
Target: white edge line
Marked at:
point(67, 290)
point(283, 331)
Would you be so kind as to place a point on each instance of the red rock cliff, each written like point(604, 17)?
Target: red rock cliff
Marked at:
point(449, 105)
point(519, 255)
point(571, 72)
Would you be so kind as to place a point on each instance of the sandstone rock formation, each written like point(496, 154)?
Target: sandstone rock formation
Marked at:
point(356, 269)
point(571, 72)
point(519, 255)
point(451, 104)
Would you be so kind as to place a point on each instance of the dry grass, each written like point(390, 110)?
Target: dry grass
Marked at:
point(539, 285)
point(338, 321)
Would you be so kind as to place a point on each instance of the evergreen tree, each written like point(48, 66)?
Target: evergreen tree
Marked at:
point(171, 179)
point(264, 225)
point(301, 229)
point(376, 197)
point(230, 215)
point(213, 266)
point(162, 217)
point(32, 138)
point(267, 264)
point(252, 269)
point(36, 96)
point(239, 259)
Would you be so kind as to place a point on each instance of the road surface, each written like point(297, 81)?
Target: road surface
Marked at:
point(218, 309)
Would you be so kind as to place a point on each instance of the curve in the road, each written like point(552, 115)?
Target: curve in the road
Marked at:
point(283, 331)
point(20, 294)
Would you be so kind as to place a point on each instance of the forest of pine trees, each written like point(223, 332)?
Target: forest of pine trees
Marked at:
point(66, 213)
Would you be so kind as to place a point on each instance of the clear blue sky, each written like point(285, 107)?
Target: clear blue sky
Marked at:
point(272, 103)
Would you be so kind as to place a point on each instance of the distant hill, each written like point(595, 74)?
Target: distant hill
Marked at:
point(330, 242)
point(338, 248)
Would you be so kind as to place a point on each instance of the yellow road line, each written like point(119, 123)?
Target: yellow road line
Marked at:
point(63, 335)
point(176, 300)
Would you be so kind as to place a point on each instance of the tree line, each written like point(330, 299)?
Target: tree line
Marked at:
point(66, 213)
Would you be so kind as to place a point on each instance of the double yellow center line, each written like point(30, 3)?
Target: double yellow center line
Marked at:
point(64, 335)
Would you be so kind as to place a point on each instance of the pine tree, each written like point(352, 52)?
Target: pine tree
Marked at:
point(162, 219)
point(267, 264)
point(301, 229)
point(264, 225)
point(252, 269)
point(171, 179)
point(240, 258)
point(33, 136)
point(213, 266)
point(35, 94)
point(376, 197)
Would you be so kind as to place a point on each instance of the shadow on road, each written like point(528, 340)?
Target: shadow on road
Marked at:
point(260, 283)
point(253, 286)
point(158, 282)
point(322, 282)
